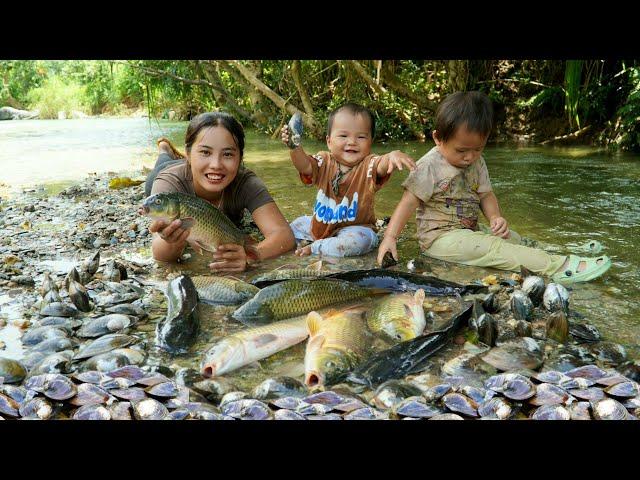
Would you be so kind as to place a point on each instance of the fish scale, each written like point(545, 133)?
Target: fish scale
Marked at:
point(400, 316)
point(223, 290)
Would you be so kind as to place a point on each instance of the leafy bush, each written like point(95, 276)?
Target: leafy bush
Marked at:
point(57, 96)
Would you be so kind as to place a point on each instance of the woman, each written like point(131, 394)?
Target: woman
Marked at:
point(214, 171)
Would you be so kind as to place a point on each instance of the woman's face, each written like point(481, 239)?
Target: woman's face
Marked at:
point(215, 159)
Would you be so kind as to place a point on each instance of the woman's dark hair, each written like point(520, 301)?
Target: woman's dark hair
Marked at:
point(471, 108)
point(354, 109)
point(214, 119)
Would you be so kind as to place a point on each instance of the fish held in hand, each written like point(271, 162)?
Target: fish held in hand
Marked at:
point(209, 226)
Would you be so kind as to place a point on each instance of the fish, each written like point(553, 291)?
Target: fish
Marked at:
point(223, 290)
point(251, 345)
point(407, 357)
point(405, 281)
point(177, 332)
point(291, 298)
point(399, 316)
point(338, 343)
point(311, 271)
point(209, 226)
point(296, 128)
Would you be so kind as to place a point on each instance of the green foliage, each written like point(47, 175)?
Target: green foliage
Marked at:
point(57, 96)
point(628, 137)
point(572, 81)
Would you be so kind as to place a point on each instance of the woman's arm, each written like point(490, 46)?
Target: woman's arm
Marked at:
point(278, 239)
point(407, 206)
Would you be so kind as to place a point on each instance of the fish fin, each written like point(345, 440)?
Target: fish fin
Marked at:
point(231, 277)
point(314, 320)
point(317, 266)
point(187, 222)
point(315, 342)
point(419, 296)
point(201, 247)
point(264, 339)
point(407, 311)
point(282, 267)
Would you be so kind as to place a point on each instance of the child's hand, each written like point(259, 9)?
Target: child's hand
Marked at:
point(388, 244)
point(284, 135)
point(499, 227)
point(394, 161)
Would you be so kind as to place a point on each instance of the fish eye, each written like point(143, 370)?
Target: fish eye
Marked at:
point(157, 201)
point(330, 364)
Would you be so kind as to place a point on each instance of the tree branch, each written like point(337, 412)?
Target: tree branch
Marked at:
point(396, 84)
point(295, 74)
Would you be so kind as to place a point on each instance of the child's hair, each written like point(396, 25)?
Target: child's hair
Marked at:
point(354, 109)
point(471, 108)
point(214, 119)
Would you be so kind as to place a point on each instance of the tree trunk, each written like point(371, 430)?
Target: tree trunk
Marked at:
point(458, 75)
point(222, 97)
point(277, 100)
point(304, 96)
point(379, 91)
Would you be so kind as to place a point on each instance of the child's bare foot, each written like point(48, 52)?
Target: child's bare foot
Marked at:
point(165, 146)
point(303, 251)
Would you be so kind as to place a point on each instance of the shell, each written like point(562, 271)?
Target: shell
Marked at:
point(551, 412)
point(590, 372)
point(132, 394)
point(534, 287)
point(576, 383)
point(592, 393)
point(521, 306)
point(608, 409)
point(609, 352)
point(459, 403)
point(366, 413)
point(12, 371)
point(623, 390)
point(247, 410)
point(584, 332)
point(214, 388)
point(417, 408)
point(437, 392)
point(40, 334)
point(328, 398)
point(149, 409)
point(103, 345)
point(120, 410)
point(580, 411)
point(163, 390)
point(92, 412)
point(130, 372)
point(152, 379)
point(555, 298)
point(523, 352)
point(285, 414)
point(288, 403)
point(52, 385)
point(551, 376)
point(59, 309)
point(97, 327)
point(496, 407)
point(37, 408)
point(549, 394)
point(446, 416)
point(89, 394)
point(8, 406)
point(393, 392)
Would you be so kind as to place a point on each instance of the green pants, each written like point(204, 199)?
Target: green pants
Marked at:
point(481, 249)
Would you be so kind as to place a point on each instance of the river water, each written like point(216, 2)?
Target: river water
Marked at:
point(560, 197)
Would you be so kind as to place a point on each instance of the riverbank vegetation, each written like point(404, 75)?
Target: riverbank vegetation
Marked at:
point(592, 102)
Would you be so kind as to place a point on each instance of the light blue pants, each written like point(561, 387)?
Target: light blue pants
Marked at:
point(348, 242)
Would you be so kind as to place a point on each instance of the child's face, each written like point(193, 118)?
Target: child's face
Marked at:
point(463, 148)
point(350, 137)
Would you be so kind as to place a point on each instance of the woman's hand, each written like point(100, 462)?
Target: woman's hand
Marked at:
point(500, 227)
point(230, 258)
point(388, 244)
point(172, 233)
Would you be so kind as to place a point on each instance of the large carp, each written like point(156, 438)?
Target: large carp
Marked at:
point(338, 342)
point(313, 270)
point(209, 226)
point(291, 298)
point(403, 281)
point(251, 345)
point(407, 357)
point(177, 332)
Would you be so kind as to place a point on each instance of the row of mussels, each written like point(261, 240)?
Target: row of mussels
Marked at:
point(129, 392)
